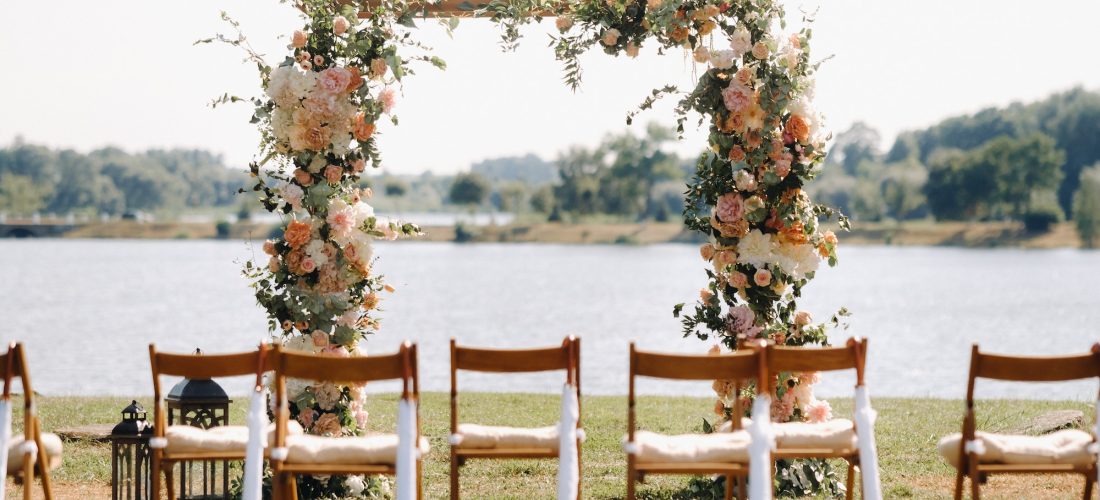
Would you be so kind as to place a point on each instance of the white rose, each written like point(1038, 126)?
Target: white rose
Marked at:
point(722, 59)
point(741, 42)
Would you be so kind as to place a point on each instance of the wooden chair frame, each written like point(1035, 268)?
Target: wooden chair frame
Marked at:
point(400, 365)
point(746, 364)
point(1020, 369)
point(15, 366)
point(803, 359)
point(196, 366)
point(566, 357)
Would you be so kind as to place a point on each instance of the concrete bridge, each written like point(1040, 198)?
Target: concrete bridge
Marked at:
point(32, 230)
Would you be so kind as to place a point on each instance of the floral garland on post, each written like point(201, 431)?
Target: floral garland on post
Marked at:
point(766, 141)
point(319, 120)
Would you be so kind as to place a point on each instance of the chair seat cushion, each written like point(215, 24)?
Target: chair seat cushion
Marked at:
point(221, 439)
point(1068, 446)
point(51, 442)
point(473, 436)
point(721, 447)
point(838, 434)
point(356, 450)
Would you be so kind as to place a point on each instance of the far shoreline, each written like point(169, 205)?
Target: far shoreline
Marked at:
point(919, 233)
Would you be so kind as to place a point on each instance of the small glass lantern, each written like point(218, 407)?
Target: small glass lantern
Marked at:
point(200, 403)
point(130, 461)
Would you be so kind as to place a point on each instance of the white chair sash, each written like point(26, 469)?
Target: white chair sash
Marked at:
point(407, 449)
point(868, 453)
point(5, 438)
point(257, 440)
point(760, 449)
point(569, 464)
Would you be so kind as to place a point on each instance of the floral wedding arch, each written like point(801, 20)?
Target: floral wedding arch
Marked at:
point(324, 104)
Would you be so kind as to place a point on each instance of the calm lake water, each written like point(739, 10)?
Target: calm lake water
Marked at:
point(87, 309)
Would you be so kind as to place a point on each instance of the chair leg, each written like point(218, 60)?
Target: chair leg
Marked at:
point(454, 476)
point(975, 486)
point(419, 479)
point(1090, 478)
point(742, 488)
point(729, 487)
point(959, 484)
point(28, 476)
point(850, 482)
point(630, 482)
point(292, 486)
point(170, 482)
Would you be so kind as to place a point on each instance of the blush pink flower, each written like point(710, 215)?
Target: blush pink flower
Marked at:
point(731, 207)
point(742, 321)
point(737, 97)
point(335, 351)
point(320, 339)
point(333, 80)
point(342, 221)
point(738, 280)
point(340, 25)
point(306, 418)
point(818, 411)
point(388, 98)
point(308, 265)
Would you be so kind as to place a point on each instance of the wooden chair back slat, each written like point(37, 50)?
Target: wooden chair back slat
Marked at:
point(736, 366)
point(806, 359)
point(352, 369)
point(511, 360)
point(203, 366)
point(1037, 369)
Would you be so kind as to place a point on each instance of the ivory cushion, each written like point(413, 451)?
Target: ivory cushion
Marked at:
point(357, 450)
point(837, 434)
point(51, 442)
point(221, 439)
point(473, 436)
point(1068, 446)
point(721, 447)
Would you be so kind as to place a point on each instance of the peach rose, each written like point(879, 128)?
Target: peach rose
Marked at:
point(610, 37)
point(320, 339)
point(803, 318)
point(361, 128)
point(378, 68)
point(738, 280)
point(308, 265)
point(753, 140)
point(763, 277)
point(333, 80)
point(370, 301)
point(356, 79)
point(299, 39)
point(306, 418)
point(297, 233)
point(830, 238)
point(273, 265)
point(760, 50)
point(303, 177)
point(294, 262)
point(318, 60)
point(340, 25)
point(563, 23)
point(315, 138)
point(706, 251)
point(632, 49)
point(706, 295)
point(328, 424)
point(725, 258)
point(798, 128)
point(359, 165)
point(269, 247)
point(333, 174)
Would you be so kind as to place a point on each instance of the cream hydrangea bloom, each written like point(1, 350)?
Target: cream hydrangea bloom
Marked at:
point(756, 249)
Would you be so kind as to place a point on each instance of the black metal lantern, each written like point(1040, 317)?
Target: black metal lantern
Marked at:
point(130, 461)
point(200, 403)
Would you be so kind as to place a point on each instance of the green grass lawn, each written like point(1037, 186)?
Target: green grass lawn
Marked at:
point(907, 432)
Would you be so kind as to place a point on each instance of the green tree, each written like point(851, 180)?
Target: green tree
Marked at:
point(512, 195)
point(1086, 207)
point(854, 146)
point(20, 195)
point(1021, 167)
point(396, 188)
point(542, 200)
point(469, 189)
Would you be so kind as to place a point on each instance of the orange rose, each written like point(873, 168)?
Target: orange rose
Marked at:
point(798, 128)
point(356, 79)
point(361, 128)
point(794, 233)
point(297, 233)
point(294, 261)
point(304, 178)
point(737, 154)
point(753, 141)
point(370, 301)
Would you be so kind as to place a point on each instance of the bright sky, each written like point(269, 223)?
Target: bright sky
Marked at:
point(83, 74)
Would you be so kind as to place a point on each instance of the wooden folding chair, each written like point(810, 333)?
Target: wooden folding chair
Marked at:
point(375, 453)
point(837, 438)
point(977, 454)
point(43, 453)
point(184, 443)
point(492, 442)
point(721, 452)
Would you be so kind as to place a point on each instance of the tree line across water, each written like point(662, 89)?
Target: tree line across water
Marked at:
point(1037, 163)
